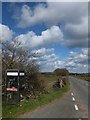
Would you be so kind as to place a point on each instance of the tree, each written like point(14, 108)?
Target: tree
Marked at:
point(61, 72)
point(14, 56)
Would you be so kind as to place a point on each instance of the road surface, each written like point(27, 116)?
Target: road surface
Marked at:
point(73, 105)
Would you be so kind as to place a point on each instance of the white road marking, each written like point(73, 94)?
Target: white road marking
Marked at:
point(72, 94)
point(73, 98)
point(76, 107)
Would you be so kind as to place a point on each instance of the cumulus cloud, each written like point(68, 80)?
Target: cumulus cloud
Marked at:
point(74, 25)
point(49, 61)
point(76, 43)
point(77, 34)
point(52, 14)
point(46, 58)
point(73, 32)
point(42, 51)
point(5, 33)
point(52, 35)
point(78, 30)
point(78, 61)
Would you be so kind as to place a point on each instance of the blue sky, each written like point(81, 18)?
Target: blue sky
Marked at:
point(56, 31)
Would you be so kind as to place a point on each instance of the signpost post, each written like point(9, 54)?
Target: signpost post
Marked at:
point(13, 86)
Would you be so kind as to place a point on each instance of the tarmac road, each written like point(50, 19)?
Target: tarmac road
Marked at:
point(73, 105)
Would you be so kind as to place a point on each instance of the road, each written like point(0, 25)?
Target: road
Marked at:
point(73, 105)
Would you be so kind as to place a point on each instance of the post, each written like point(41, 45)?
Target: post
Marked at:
point(61, 83)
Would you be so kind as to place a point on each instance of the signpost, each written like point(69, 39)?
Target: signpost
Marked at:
point(13, 86)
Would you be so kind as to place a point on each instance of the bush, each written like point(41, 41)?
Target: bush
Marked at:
point(61, 72)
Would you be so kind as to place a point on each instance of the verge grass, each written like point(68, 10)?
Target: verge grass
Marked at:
point(84, 77)
point(12, 111)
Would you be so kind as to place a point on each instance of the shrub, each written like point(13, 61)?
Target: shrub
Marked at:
point(61, 72)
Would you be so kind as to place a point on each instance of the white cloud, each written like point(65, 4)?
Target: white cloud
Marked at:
point(46, 58)
point(73, 18)
point(78, 30)
point(42, 51)
point(49, 61)
point(78, 61)
point(31, 40)
point(5, 33)
point(77, 34)
point(52, 14)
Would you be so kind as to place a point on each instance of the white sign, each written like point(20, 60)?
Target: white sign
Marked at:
point(12, 73)
point(21, 74)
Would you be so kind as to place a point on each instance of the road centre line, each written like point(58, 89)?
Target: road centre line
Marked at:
point(72, 93)
point(73, 98)
point(76, 107)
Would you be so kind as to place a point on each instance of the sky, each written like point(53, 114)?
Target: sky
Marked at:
point(56, 31)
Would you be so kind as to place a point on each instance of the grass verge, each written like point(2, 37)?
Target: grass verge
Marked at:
point(87, 78)
point(11, 111)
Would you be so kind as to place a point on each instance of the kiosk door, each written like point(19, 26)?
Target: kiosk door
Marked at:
point(12, 87)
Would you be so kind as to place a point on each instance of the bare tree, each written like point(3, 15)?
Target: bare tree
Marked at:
point(14, 56)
